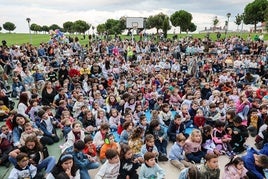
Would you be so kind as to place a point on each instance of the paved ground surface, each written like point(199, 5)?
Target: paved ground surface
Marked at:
point(171, 171)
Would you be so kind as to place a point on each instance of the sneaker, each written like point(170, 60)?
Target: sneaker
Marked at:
point(162, 158)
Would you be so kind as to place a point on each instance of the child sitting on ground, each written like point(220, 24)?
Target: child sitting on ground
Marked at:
point(128, 163)
point(110, 169)
point(109, 143)
point(149, 146)
point(235, 169)
point(221, 139)
point(98, 139)
point(160, 139)
point(90, 148)
point(150, 169)
point(23, 169)
point(29, 130)
point(192, 147)
point(82, 161)
point(208, 146)
point(176, 154)
point(175, 127)
point(210, 169)
point(239, 135)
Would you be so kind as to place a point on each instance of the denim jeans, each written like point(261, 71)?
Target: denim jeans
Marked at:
point(244, 113)
point(48, 163)
point(84, 171)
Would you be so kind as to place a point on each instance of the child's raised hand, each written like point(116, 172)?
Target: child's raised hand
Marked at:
point(68, 172)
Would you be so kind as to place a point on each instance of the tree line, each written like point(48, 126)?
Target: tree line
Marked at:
point(254, 12)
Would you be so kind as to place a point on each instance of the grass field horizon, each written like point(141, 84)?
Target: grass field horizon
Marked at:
point(36, 39)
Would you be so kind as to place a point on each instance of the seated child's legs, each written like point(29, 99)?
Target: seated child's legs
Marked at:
point(180, 164)
point(195, 157)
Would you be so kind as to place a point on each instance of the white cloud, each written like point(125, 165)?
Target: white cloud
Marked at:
point(98, 11)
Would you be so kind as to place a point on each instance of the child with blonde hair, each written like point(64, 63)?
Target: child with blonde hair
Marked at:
point(192, 147)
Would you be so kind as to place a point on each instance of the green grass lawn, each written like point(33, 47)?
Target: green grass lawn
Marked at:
point(36, 39)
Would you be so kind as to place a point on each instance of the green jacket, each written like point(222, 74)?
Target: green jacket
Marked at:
point(207, 173)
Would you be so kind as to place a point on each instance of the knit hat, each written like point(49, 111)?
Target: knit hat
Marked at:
point(40, 113)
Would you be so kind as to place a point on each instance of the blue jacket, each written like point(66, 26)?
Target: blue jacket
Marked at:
point(249, 163)
point(43, 127)
point(176, 152)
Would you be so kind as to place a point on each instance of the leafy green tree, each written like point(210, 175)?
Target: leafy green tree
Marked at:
point(166, 26)
point(68, 26)
point(54, 27)
point(255, 12)
point(192, 27)
point(36, 28)
point(182, 19)
point(9, 26)
point(215, 22)
point(101, 28)
point(0, 28)
point(81, 26)
point(238, 20)
point(156, 21)
point(45, 28)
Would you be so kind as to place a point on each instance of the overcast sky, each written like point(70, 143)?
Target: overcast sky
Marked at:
point(47, 12)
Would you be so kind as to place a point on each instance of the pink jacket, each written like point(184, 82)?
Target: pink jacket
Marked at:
point(231, 172)
point(240, 106)
point(191, 146)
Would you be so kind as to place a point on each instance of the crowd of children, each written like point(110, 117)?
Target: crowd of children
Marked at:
point(121, 111)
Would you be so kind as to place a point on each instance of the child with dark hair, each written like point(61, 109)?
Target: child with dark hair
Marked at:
point(90, 148)
point(136, 141)
point(210, 169)
point(175, 127)
point(221, 139)
point(150, 169)
point(149, 146)
point(82, 161)
point(235, 169)
point(23, 169)
point(98, 139)
point(208, 145)
point(110, 169)
point(65, 168)
point(109, 143)
point(255, 163)
point(160, 139)
point(128, 127)
point(128, 164)
point(239, 135)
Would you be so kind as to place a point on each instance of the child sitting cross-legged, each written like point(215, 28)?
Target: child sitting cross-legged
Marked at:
point(176, 154)
point(221, 139)
point(192, 147)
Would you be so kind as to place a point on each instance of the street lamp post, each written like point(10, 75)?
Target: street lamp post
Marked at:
point(227, 24)
point(29, 25)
